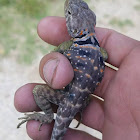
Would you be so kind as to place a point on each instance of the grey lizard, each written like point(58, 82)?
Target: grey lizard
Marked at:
point(87, 60)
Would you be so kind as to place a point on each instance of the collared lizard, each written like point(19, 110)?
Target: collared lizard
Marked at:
point(87, 60)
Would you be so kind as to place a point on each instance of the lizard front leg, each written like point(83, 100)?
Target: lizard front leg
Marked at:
point(43, 95)
point(64, 46)
point(104, 53)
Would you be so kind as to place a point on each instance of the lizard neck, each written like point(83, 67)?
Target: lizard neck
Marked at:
point(85, 38)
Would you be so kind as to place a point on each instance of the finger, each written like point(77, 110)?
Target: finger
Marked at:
point(56, 70)
point(53, 30)
point(78, 135)
point(33, 132)
point(46, 130)
point(117, 45)
point(93, 115)
point(24, 99)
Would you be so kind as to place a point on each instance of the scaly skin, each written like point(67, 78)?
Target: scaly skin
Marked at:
point(87, 60)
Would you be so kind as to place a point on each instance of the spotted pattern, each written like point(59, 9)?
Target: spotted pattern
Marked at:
point(86, 60)
point(88, 65)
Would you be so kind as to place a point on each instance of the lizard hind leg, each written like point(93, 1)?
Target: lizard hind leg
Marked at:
point(43, 95)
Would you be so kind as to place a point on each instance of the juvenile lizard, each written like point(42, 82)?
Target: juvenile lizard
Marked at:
point(87, 60)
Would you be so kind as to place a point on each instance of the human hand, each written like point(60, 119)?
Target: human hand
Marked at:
point(118, 116)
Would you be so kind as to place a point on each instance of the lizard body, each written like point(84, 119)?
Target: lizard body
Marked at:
point(87, 60)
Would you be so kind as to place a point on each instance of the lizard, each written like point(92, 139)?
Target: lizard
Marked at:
point(88, 61)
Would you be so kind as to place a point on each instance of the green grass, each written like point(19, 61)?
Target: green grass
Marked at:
point(121, 23)
point(18, 25)
point(33, 8)
point(137, 7)
point(18, 22)
point(6, 2)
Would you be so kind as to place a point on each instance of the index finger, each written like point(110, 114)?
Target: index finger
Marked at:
point(53, 31)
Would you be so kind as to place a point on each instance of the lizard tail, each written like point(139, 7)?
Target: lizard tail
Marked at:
point(65, 115)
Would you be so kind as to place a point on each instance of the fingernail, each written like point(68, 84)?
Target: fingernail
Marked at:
point(50, 70)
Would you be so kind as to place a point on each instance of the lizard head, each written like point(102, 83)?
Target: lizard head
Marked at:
point(78, 17)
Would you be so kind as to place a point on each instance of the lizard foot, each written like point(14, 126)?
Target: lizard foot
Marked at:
point(42, 118)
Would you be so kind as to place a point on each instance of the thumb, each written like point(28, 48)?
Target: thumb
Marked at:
point(56, 70)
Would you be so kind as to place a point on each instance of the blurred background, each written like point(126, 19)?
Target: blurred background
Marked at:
point(21, 49)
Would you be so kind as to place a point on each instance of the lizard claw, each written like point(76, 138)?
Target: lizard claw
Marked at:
point(42, 118)
point(26, 118)
point(18, 126)
point(39, 129)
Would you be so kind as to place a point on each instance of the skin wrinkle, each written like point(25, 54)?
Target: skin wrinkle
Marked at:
point(128, 54)
point(104, 41)
point(131, 110)
point(111, 108)
point(126, 107)
point(123, 97)
point(138, 128)
point(104, 86)
point(55, 71)
point(122, 132)
point(101, 116)
point(129, 90)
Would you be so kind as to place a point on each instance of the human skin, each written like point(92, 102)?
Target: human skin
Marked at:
point(118, 116)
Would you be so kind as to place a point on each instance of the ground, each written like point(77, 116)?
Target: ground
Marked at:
point(21, 50)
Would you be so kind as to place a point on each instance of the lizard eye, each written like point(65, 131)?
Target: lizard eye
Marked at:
point(69, 12)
